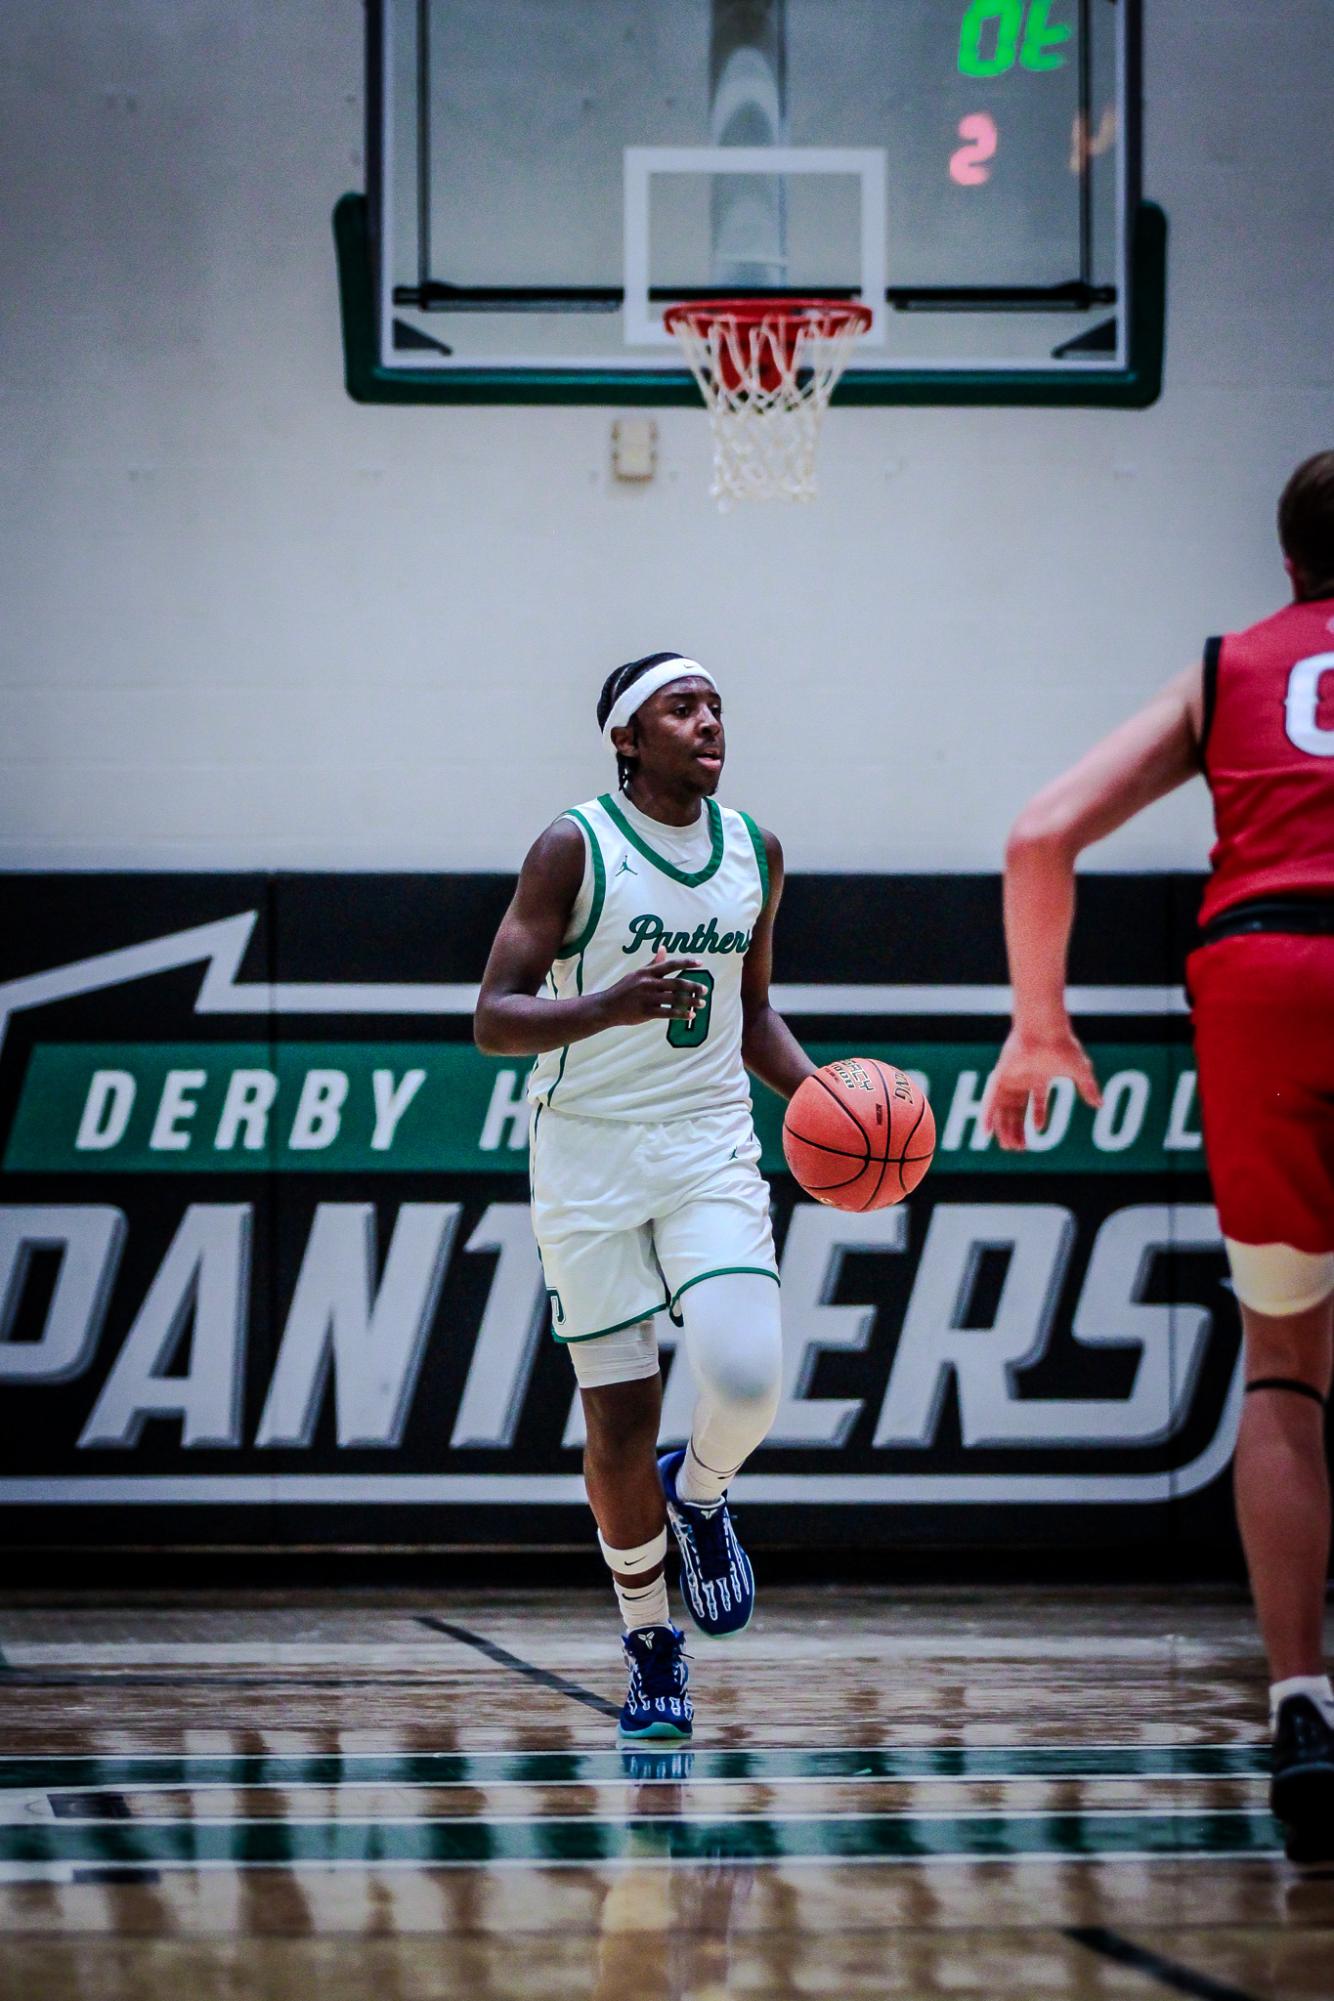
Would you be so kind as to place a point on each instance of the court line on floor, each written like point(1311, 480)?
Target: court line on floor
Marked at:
point(65, 1872)
point(157, 1656)
point(1167, 1972)
point(786, 1764)
point(712, 1796)
point(289, 1678)
point(83, 1656)
point(704, 1817)
point(574, 1840)
point(503, 1658)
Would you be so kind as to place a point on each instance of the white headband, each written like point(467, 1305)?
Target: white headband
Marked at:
point(648, 684)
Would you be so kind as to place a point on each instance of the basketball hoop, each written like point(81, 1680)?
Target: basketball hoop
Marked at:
point(766, 369)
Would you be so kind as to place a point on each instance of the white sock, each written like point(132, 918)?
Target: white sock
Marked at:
point(1317, 1686)
point(699, 1483)
point(643, 1604)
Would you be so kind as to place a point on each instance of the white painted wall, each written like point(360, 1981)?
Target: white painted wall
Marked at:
point(246, 622)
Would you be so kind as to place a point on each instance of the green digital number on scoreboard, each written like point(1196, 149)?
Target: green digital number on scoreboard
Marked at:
point(997, 34)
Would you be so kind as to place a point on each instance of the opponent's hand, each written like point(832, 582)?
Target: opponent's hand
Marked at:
point(1024, 1074)
point(655, 992)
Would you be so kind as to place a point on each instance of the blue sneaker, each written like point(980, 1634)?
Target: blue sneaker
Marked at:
point(656, 1703)
point(717, 1581)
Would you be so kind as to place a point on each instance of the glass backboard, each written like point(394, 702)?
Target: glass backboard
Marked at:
point(547, 177)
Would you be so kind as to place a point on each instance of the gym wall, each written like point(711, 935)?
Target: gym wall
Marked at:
point(251, 625)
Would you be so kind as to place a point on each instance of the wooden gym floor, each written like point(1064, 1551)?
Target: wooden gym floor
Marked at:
point(398, 1796)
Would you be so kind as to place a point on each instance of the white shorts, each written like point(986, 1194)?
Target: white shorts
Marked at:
point(628, 1216)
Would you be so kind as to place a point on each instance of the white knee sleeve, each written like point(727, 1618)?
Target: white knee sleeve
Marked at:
point(1277, 1280)
point(734, 1344)
point(627, 1356)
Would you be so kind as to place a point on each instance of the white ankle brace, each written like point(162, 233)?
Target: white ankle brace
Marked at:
point(643, 1604)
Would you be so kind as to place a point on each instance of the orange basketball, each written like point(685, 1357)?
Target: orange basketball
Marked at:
point(859, 1134)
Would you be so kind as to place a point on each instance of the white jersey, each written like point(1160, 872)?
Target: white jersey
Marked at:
point(633, 900)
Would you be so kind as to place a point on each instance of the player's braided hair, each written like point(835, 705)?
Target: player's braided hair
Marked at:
point(1306, 524)
point(613, 688)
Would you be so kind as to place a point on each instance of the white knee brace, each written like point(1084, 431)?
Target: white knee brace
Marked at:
point(1276, 1279)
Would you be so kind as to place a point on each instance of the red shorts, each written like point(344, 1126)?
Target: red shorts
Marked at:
point(1264, 1035)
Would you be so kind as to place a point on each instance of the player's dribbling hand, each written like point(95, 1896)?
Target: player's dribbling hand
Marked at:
point(656, 992)
point(1024, 1074)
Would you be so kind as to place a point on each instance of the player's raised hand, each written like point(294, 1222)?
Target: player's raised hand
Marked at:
point(655, 992)
point(1023, 1076)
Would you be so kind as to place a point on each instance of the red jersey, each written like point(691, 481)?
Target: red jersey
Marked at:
point(1268, 752)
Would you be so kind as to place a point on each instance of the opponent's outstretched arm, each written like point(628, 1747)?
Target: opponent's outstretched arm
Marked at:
point(768, 1046)
point(1147, 757)
point(510, 1020)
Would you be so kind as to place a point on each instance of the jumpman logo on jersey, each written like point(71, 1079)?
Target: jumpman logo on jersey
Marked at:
point(625, 868)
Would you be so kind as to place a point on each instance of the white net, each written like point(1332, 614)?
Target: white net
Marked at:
point(766, 371)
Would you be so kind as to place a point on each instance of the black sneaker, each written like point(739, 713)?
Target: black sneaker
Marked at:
point(1301, 1793)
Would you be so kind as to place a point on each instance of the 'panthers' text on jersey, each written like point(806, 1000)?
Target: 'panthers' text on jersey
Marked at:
point(632, 902)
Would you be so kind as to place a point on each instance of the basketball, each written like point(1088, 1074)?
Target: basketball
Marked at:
point(859, 1134)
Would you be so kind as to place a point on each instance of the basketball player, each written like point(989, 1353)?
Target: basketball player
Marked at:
point(648, 918)
point(1257, 718)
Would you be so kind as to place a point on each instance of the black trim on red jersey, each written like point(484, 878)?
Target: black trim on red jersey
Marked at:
point(1213, 649)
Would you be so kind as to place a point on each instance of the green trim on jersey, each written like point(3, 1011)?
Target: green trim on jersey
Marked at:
point(569, 1340)
point(761, 859)
point(565, 1047)
point(580, 943)
point(578, 946)
point(711, 866)
point(724, 1271)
